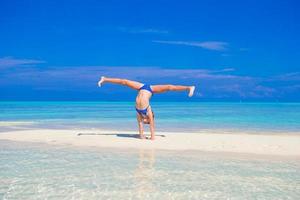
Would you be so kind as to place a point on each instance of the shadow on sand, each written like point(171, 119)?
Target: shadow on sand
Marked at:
point(126, 135)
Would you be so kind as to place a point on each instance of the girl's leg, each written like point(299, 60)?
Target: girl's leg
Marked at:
point(132, 84)
point(166, 88)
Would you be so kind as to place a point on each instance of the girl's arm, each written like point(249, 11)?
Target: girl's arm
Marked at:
point(151, 123)
point(141, 126)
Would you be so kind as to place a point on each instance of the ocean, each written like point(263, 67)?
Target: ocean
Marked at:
point(278, 118)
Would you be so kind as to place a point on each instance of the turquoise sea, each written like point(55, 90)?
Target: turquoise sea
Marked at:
point(169, 116)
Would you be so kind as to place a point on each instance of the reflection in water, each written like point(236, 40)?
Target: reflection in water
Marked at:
point(144, 174)
point(46, 172)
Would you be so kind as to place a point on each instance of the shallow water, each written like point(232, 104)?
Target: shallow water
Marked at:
point(169, 116)
point(30, 171)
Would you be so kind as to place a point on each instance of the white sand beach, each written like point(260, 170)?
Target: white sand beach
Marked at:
point(265, 144)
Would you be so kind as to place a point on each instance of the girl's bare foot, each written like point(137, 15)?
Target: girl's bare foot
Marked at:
point(191, 92)
point(152, 138)
point(101, 81)
point(142, 137)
